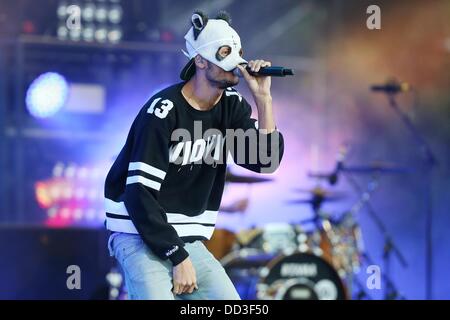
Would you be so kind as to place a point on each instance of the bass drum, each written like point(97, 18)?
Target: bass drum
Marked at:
point(298, 276)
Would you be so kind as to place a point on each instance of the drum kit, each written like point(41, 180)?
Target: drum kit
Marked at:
point(286, 261)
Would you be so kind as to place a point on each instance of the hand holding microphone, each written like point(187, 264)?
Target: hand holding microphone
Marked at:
point(260, 89)
point(259, 86)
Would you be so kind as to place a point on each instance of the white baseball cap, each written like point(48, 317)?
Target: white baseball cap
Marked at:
point(206, 37)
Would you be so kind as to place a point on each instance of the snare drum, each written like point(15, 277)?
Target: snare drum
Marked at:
point(272, 238)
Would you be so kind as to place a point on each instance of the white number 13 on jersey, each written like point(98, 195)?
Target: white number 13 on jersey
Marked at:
point(162, 110)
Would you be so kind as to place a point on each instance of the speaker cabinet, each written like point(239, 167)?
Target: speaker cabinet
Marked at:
point(34, 263)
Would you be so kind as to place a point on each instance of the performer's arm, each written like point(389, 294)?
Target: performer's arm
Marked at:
point(269, 141)
point(147, 169)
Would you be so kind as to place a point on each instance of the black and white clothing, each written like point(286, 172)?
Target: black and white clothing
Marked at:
point(160, 188)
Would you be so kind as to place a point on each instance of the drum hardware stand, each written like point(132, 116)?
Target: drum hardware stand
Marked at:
point(430, 162)
point(390, 291)
point(389, 246)
point(393, 292)
point(362, 294)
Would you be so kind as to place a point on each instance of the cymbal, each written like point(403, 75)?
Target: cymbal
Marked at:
point(318, 197)
point(319, 191)
point(374, 167)
point(317, 200)
point(230, 177)
point(377, 167)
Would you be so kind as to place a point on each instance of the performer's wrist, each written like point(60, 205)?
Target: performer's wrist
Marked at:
point(263, 100)
point(179, 256)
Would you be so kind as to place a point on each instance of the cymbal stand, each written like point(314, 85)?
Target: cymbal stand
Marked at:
point(430, 162)
point(389, 246)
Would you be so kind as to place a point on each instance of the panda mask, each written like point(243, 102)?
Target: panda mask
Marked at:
point(206, 37)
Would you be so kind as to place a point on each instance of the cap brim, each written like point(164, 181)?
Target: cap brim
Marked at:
point(188, 70)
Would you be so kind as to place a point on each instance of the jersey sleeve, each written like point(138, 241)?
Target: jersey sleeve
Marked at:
point(147, 169)
point(254, 149)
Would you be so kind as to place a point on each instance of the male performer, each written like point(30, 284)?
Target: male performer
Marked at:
point(164, 190)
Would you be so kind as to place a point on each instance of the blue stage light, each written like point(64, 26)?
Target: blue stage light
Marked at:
point(46, 95)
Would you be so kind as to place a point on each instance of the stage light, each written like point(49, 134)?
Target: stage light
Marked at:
point(43, 195)
point(62, 11)
point(92, 195)
point(75, 34)
point(58, 170)
point(62, 32)
point(55, 193)
point(100, 21)
point(52, 212)
point(74, 191)
point(70, 171)
point(115, 35)
point(65, 213)
point(67, 193)
point(88, 32)
point(114, 293)
point(97, 173)
point(82, 173)
point(46, 95)
point(78, 214)
point(88, 12)
point(101, 13)
point(101, 34)
point(80, 193)
point(115, 14)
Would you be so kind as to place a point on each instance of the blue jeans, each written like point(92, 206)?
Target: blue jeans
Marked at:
point(147, 277)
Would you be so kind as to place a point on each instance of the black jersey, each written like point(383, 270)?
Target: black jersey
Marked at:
point(167, 182)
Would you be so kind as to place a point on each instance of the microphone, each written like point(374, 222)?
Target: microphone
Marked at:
point(266, 71)
point(392, 87)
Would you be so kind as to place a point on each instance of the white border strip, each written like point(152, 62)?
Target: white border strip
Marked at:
point(147, 169)
point(120, 225)
point(206, 217)
point(183, 230)
point(186, 230)
point(115, 207)
point(146, 182)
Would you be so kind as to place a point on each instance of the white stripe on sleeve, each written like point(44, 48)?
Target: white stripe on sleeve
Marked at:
point(120, 225)
point(115, 207)
point(185, 230)
point(146, 182)
point(147, 169)
point(207, 216)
